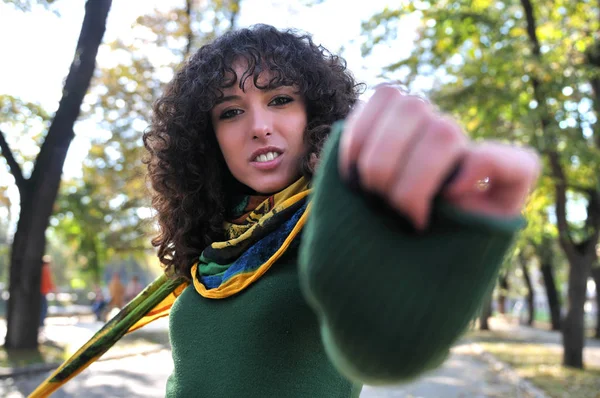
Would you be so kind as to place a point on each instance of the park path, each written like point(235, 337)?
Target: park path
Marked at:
point(591, 351)
point(467, 373)
point(463, 375)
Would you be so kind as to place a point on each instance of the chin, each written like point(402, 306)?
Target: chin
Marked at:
point(270, 187)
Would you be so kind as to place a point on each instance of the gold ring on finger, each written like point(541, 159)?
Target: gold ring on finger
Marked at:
point(483, 184)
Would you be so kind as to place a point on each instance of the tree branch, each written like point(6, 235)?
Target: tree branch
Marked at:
point(595, 83)
point(190, 34)
point(15, 169)
point(560, 186)
point(592, 55)
point(235, 12)
point(579, 188)
point(51, 157)
point(531, 27)
point(560, 191)
point(593, 211)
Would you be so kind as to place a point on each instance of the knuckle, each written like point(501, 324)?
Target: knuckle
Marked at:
point(477, 159)
point(375, 172)
point(414, 105)
point(386, 93)
point(448, 133)
point(483, 153)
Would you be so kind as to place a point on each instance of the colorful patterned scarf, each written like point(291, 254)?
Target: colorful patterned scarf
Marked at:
point(261, 231)
point(258, 236)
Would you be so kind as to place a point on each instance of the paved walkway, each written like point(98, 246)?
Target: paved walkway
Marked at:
point(135, 376)
point(467, 373)
point(74, 331)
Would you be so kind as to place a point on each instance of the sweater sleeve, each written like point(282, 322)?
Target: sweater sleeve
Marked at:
point(391, 302)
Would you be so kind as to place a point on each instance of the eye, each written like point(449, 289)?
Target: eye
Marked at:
point(230, 113)
point(281, 100)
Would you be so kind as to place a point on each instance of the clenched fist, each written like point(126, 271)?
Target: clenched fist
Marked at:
point(405, 151)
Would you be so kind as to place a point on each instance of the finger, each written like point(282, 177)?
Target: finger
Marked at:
point(511, 171)
point(428, 165)
point(360, 124)
point(385, 149)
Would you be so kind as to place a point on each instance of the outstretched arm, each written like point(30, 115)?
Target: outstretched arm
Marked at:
point(398, 267)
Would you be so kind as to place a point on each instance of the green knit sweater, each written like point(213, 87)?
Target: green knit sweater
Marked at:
point(388, 302)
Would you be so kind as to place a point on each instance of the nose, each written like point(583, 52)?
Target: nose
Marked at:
point(262, 124)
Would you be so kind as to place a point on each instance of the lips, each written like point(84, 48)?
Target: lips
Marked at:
point(266, 154)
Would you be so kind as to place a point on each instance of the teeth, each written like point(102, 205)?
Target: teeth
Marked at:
point(266, 157)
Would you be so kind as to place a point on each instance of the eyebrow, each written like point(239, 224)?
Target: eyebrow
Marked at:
point(227, 98)
point(237, 97)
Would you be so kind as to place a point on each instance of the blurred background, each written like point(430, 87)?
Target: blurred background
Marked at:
point(517, 70)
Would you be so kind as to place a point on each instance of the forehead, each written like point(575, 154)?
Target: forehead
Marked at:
point(242, 78)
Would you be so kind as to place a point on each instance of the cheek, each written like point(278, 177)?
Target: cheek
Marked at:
point(298, 131)
point(230, 148)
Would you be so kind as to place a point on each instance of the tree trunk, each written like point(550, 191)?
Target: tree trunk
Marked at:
point(486, 313)
point(39, 192)
point(552, 294)
point(581, 255)
point(530, 291)
point(24, 304)
point(596, 276)
point(503, 282)
point(574, 324)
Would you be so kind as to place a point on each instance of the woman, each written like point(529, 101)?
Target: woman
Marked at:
point(234, 143)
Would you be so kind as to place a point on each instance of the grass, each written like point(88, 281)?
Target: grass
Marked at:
point(46, 354)
point(541, 365)
point(542, 321)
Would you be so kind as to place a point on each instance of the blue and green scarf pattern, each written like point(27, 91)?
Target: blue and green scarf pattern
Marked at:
point(259, 235)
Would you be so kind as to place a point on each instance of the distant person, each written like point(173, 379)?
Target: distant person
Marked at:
point(134, 287)
point(117, 292)
point(47, 286)
point(99, 303)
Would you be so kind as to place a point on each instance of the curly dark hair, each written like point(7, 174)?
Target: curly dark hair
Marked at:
point(190, 179)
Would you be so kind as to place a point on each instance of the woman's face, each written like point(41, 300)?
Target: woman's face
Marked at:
point(261, 133)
